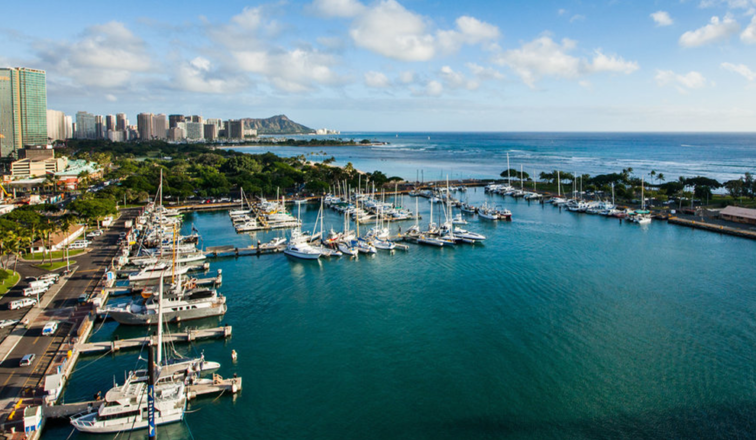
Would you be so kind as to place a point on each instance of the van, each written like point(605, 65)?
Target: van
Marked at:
point(84, 243)
point(20, 303)
point(41, 283)
point(50, 276)
point(31, 291)
point(27, 360)
point(50, 328)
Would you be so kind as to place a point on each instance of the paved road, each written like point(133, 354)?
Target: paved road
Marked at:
point(90, 267)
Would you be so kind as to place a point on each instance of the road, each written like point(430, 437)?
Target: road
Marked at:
point(89, 269)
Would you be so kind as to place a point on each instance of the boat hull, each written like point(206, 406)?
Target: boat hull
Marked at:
point(126, 318)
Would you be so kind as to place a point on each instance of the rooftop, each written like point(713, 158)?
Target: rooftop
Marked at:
point(737, 211)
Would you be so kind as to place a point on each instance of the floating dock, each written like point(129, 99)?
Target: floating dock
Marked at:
point(188, 336)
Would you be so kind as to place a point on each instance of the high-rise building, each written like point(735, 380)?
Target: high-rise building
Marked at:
point(85, 126)
point(160, 126)
point(176, 134)
point(69, 127)
point(100, 129)
point(56, 125)
point(121, 122)
point(23, 109)
point(110, 122)
point(195, 118)
point(145, 126)
point(235, 129)
point(173, 120)
point(211, 132)
point(194, 131)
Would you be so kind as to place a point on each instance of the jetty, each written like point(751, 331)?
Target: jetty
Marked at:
point(123, 344)
point(713, 227)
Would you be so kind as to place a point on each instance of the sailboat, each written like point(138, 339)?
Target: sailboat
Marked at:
point(299, 245)
point(126, 406)
point(642, 217)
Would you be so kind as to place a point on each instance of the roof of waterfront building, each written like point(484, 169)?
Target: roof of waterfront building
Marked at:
point(736, 211)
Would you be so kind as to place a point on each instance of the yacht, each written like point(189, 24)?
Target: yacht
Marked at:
point(464, 234)
point(125, 407)
point(177, 307)
point(155, 271)
point(299, 247)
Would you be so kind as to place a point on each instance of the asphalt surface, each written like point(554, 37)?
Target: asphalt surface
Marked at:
point(90, 267)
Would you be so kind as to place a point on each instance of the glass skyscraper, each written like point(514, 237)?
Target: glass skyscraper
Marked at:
point(23, 109)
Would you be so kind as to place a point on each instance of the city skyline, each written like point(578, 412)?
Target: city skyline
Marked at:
point(403, 66)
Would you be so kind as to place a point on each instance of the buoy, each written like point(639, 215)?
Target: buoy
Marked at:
point(233, 354)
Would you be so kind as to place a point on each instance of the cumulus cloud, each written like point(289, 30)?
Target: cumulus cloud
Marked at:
point(297, 70)
point(389, 29)
point(683, 83)
point(456, 80)
point(376, 80)
point(407, 77)
point(434, 88)
point(337, 8)
point(662, 18)
point(105, 56)
point(544, 57)
point(749, 34)
point(732, 4)
point(577, 17)
point(484, 73)
point(716, 31)
point(198, 75)
point(740, 69)
point(604, 63)
point(111, 98)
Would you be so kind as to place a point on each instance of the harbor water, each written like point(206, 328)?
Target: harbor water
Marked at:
point(559, 325)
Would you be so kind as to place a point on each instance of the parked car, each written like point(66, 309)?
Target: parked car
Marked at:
point(32, 291)
point(50, 276)
point(46, 283)
point(21, 303)
point(8, 322)
point(50, 328)
point(27, 360)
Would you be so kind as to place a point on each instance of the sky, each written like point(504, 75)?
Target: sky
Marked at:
point(400, 65)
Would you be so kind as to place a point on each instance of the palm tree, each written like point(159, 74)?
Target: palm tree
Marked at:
point(660, 177)
point(652, 174)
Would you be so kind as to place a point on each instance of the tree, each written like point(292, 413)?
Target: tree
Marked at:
point(93, 209)
point(660, 177)
point(652, 174)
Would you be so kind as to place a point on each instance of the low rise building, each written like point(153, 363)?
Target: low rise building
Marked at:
point(739, 215)
point(26, 168)
point(60, 240)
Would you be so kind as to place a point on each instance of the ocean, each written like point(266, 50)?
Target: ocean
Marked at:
point(434, 156)
point(558, 326)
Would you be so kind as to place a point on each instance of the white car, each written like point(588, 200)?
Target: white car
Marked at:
point(8, 322)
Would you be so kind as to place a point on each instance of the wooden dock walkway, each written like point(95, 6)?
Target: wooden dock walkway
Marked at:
point(188, 336)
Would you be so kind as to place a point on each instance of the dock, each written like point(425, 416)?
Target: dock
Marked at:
point(188, 336)
point(232, 251)
point(218, 385)
point(713, 227)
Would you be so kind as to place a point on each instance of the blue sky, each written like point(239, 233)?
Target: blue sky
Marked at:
point(401, 65)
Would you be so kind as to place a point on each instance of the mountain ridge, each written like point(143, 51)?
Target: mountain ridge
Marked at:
point(279, 124)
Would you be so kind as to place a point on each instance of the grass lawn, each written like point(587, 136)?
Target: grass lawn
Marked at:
point(10, 281)
point(56, 255)
point(54, 266)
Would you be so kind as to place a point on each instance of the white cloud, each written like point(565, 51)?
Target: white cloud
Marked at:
point(749, 34)
point(484, 73)
point(683, 83)
point(111, 98)
point(456, 80)
point(741, 69)
point(199, 76)
point(389, 29)
point(577, 17)
point(434, 88)
point(732, 4)
point(562, 11)
point(603, 63)
point(392, 31)
point(297, 70)
point(105, 56)
point(662, 18)
point(376, 80)
point(717, 30)
point(545, 57)
point(338, 8)
point(407, 77)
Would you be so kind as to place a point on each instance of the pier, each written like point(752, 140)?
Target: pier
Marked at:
point(738, 232)
point(188, 336)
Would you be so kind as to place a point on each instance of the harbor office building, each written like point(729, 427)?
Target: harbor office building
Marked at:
point(739, 215)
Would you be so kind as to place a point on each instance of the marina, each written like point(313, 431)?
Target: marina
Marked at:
point(320, 333)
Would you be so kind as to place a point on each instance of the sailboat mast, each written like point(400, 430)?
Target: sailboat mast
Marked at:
point(160, 322)
point(559, 185)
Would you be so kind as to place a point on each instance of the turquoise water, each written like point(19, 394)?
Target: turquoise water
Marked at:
point(433, 156)
point(559, 326)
